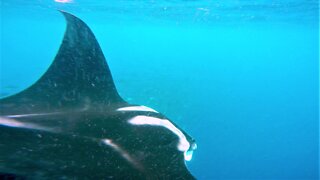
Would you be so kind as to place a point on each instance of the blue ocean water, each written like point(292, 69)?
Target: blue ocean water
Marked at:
point(241, 77)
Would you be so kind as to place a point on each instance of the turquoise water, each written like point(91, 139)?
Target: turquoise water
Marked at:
point(241, 77)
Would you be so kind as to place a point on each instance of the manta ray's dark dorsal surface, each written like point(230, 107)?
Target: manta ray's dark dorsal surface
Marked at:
point(72, 123)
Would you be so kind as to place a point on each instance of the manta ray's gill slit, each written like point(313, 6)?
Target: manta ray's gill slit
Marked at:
point(137, 108)
point(183, 144)
point(123, 153)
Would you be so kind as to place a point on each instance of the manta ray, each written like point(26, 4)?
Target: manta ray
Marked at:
point(72, 123)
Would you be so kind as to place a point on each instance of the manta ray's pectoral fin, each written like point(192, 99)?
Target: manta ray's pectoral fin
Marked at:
point(79, 77)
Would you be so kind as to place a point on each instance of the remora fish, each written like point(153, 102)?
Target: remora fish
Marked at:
point(72, 123)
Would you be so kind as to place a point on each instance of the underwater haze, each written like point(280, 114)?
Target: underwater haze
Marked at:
point(241, 77)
